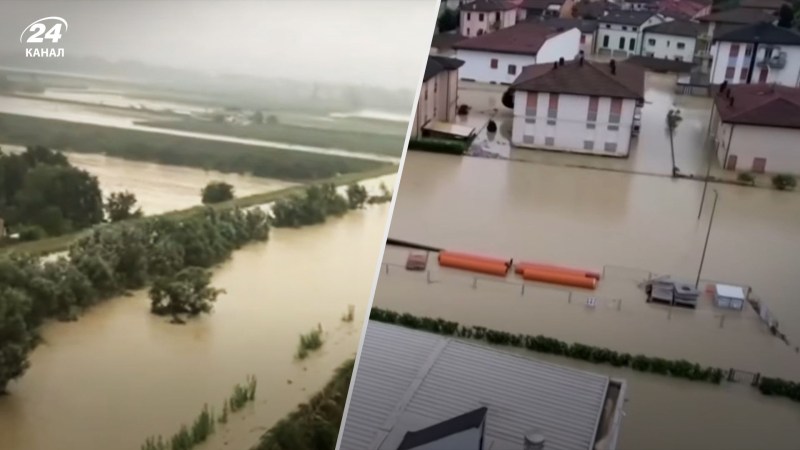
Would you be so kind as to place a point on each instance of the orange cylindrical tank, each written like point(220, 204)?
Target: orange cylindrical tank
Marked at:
point(566, 279)
point(507, 262)
point(520, 268)
point(481, 264)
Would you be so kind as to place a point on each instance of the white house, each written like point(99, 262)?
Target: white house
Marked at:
point(532, 9)
point(500, 56)
point(486, 16)
point(674, 40)
point(760, 53)
point(756, 128)
point(619, 33)
point(639, 5)
point(588, 30)
point(579, 106)
point(439, 93)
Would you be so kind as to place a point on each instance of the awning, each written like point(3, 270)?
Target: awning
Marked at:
point(450, 129)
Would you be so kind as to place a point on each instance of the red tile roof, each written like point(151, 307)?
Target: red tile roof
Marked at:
point(767, 105)
point(524, 38)
point(588, 78)
point(490, 5)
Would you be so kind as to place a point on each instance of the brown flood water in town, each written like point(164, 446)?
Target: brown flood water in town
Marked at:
point(120, 374)
point(631, 226)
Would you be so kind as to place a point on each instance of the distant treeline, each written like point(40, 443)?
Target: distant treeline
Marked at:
point(314, 425)
point(177, 150)
point(384, 144)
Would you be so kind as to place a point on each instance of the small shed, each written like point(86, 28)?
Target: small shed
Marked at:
point(729, 297)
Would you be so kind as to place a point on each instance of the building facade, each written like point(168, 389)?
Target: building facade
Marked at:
point(588, 29)
point(675, 40)
point(619, 33)
point(485, 16)
point(756, 128)
point(761, 53)
point(580, 107)
point(438, 97)
point(499, 57)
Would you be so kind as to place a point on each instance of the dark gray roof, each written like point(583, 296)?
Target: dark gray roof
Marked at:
point(444, 41)
point(438, 64)
point(408, 380)
point(539, 4)
point(467, 421)
point(738, 15)
point(488, 5)
point(763, 33)
point(593, 10)
point(676, 28)
point(563, 24)
point(635, 18)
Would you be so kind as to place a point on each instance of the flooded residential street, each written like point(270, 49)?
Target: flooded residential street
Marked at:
point(132, 374)
point(630, 226)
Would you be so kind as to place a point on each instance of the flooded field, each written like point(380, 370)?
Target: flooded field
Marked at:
point(160, 188)
point(631, 226)
point(120, 374)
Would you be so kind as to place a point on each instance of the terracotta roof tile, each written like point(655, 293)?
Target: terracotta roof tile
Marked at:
point(583, 79)
point(760, 104)
point(523, 38)
point(489, 5)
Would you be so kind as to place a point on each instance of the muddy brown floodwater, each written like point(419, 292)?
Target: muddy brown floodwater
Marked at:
point(630, 225)
point(120, 374)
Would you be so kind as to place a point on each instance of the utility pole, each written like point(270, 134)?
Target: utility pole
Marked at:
point(708, 234)
point(705, 185)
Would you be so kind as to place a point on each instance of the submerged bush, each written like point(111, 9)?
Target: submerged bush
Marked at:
point(309, 342)
point(784, 182)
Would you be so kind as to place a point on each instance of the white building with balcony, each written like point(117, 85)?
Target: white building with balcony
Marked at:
point(619, 33)
point(760, 53)
point(580, 106)
point(674, 40)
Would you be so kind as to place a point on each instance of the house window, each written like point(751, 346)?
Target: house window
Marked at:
point(497, 16)
point(588, 145)
point(762, 77)
point(632, 45)
point(552, 109)
point(531, 120)
point(622, 43)
point(624, 28)
point(729, 73)
point(527, 139)
point(549, 141)
point(583, 39)
point(469, 16)
point(605, 41)
point(633, 28)
point(480, 32)
point(512, 69)
point(667, 44)
point(493, 63)
point(435, 85)
point(734, 52)
point(591, 116)
point(613, 128)
point(616, 110)
point(551, 121)
point(681, 45)
point(608, 26)
point(651, 42)
point(679, 58)
point(748, 50)
point(611, 147)
point(467, 31)
point(590, 126)
point(768, 53)
point(480, 17)
point(743, 75)
point(530, 104)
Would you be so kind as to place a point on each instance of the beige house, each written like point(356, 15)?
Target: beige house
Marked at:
point(756, 128)
point(486, 16)
point(438, 96)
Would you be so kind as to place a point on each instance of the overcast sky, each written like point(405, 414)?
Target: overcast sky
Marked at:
point(377, 42)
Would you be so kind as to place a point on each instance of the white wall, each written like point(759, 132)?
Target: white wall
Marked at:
point(477, 66)
point(777, 145)
point(666, 46)
point(566, 45)
point(471, 21)
point(789, 75)
point(615, 32)
point(570, 129)
point(437, 100)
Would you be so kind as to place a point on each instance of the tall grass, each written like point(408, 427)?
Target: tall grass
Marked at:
point(309, 342)
point(204, 424)
point(350, 314)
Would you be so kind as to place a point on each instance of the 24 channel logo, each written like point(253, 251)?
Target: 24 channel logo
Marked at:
point(38, 33)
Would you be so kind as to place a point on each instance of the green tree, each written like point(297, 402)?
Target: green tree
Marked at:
point(356, 196)
point(449, 20)
point(786, 16)
point(217, 192)
point(15, 337)
point(187, 292)
point(122, 206)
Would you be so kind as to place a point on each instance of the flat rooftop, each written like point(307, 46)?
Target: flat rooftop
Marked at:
point(408, 381)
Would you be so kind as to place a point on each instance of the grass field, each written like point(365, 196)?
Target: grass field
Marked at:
point(178, 150)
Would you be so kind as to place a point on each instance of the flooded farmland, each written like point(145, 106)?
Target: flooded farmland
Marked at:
point(630, 226)
point(131, 374)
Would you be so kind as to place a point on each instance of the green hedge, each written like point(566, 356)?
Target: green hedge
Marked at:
point(780, 388)
point(438, 145)
point(678, 368)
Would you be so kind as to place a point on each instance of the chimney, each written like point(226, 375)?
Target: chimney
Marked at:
point(613, 65)
point(533, 440)
point(731, 102)
point(723, 86)
point(561, 61)
point(555, 65)
point(580, 61)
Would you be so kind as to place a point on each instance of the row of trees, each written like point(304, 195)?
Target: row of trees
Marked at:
point(320, 202)
point(170, 253)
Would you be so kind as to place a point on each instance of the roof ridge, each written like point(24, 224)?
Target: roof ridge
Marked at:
point(612, 77)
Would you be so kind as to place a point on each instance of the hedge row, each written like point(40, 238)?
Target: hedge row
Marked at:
point(677, 368)
point(780, 388)
point(438, 145)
